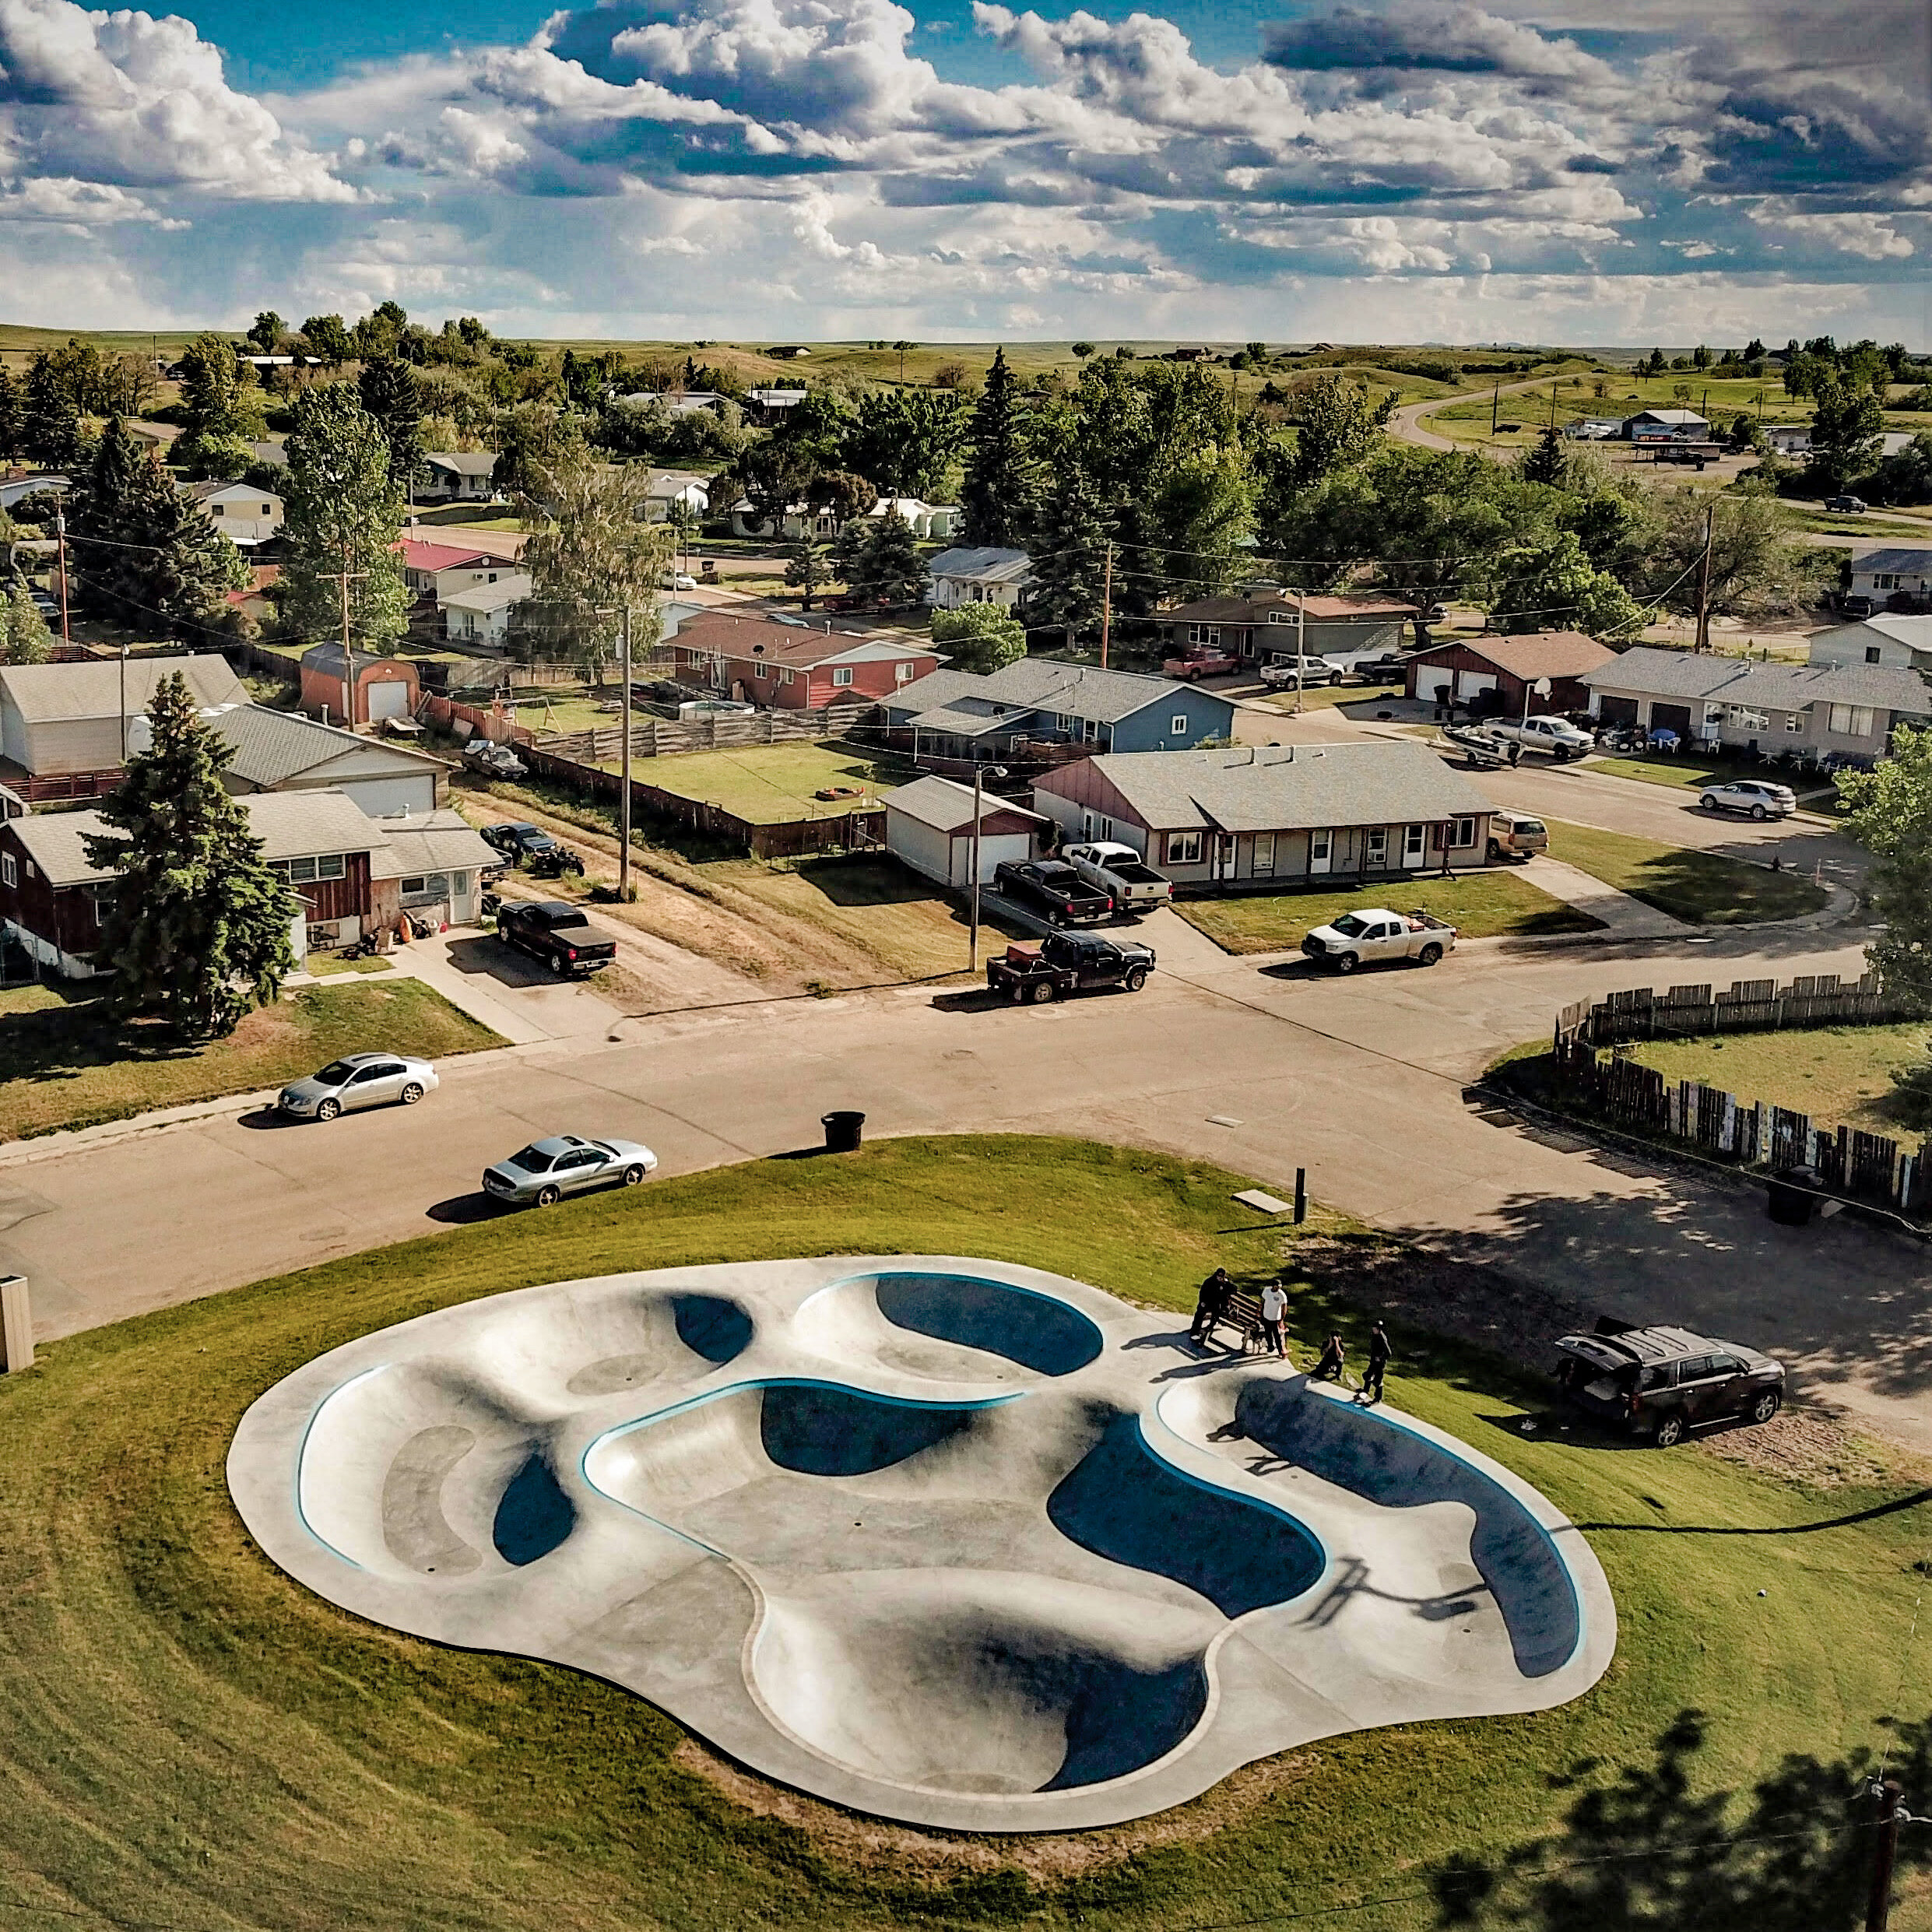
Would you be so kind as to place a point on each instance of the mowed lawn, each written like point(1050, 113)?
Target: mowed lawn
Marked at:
point(1840, 1076)
point(63, 1063)
point(1692, 774)
point(1479, 905)
point(190, 1739)
point(764, 783)
point(1702, 888)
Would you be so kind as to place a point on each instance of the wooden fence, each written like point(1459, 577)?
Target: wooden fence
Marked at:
point(721, 731)
point(1751, 1005)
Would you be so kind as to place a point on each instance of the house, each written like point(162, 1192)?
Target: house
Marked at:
point(383, 687)
point(1677, 425)
point(253, 600)
point(801, 522)
point(62, 724)
point(53, 899)
point(153, 435)
point(1897, 642)
point(485, 613)
point(432, 869)
point(246, 514)
point(1787, 439)
point(1469, 670)
point(458, 475)
point(1269, 815)
point(669, 490)
point(283, 751)
point(929, 827)
point(979, 575)
point(1038, 707)
point(791, 352)
point(784, 668)
point(433, 570)
point(1898, 577)
point(1263, 624)
point(930, 522)
point(1709, 700)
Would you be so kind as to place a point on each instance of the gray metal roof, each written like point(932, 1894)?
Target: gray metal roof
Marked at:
point(1264, 789)
point(1681, 674)
point(982, 565)
point(1043, 684)
point(1916, 632)
point(947, 806)
point(270, 747)
point(51, 693)
point(1900, 560)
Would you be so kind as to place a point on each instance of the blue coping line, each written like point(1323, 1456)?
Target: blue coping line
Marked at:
point(975, 1280)
point(740, 1388)
point(301, 1458)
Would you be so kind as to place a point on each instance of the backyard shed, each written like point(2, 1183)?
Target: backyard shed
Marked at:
point(929, 827)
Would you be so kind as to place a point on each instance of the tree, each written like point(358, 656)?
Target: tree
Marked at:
point(1753, 350)
point(1888, 811)
point(268, 332)
point(994, 501)
point(1083, 350)
point(1543, 462)
point(885, 565)
point(198, 926)
point(343, 515)
point(24, 637)
point(1549, 584)
point(808, 567)
point(1753, 568)
point(531, 435)
point(186, 568)
point(1069, 556)
point(12, 415)
point(220, 419)
point(390, 394)
point(774, 475)
point(326, 337)
point(844, 493)
point(51, 429)
point(1906, 477)
point(906, 439)
point(1335, 425)
point(594, 556)
point(980, 638)
point(1847, 425)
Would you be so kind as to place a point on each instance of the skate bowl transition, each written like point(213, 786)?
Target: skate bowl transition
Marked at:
point(947, 1541)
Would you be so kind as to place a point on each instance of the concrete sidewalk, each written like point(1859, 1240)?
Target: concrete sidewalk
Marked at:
point(1623, 917)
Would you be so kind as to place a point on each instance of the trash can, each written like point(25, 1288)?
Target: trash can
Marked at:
point(1794, 1194)
point(844, 1132)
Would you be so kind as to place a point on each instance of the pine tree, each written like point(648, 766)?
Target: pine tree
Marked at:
point(806, 569)
point(1070, 555)
point(12, 416)
point(390, 394)
point(51, 425)
point(993, 500)
point(222, 419)
point(342, 515)
point(97, 519)
point(24, 637)
point(188, 566)
point(198, 928)
point(888, 566)
point(1544, 463)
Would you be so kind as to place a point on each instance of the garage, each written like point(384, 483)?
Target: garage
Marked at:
point(1432, 682)
point(1617, 711)
point(1675, 718)
point(1470, 684)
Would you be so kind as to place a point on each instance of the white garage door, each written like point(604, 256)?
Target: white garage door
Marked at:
point(383, 798)
point(1469, 683)
point(389, 699)
point(1432, 682)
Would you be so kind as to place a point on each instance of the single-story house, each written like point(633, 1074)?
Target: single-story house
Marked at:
point(433, 570)
point(1709, 700)
point(1469, 670)
point(930, 522)
point(1787, 439)
point(802, 523)
point(152, 436)
point(383, 687)
point(782, 667)
point(458, 475)
point(431, 869)
point(1041, 704)
point(1680, 425)
point(484, 613)
point(979, 575)
point(53, 898)
point(1899, 642)
point(674, 402)
point(1265, 624)
point(1267, 815)
point(772, 405)
point(929, 827)
point(1896, 575)
point(1594, 428)
point(669, 489)
point(246, 515)
point(60, 724)
point(283, 751)
point(789, 352)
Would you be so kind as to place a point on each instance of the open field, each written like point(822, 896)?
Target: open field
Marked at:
point(190, 1739)
point(1702, 888)
point(1479, 905)
point(765, 783)
point(63, 1064)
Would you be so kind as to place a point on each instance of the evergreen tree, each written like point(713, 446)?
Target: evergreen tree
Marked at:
point(993, 500)
point(342, 515)
point(24, 637)
point(390, 394)
point(51, 425)
point(221, 419)
point(12, 415)
point(183, 568)
point(97, 519)
point(198, 927)
point(1544, 462)
point(888, 566)
point(807, 568)
point(1069, 554)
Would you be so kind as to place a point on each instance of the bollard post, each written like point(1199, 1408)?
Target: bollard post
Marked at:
point(16, 1325)
point(1301, 1196)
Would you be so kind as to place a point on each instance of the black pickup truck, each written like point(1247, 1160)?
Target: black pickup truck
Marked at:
point(1070, 962)
point(555, 932)
point(1054, 888)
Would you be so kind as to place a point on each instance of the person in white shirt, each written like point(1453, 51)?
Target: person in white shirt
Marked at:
point(1274, 1307)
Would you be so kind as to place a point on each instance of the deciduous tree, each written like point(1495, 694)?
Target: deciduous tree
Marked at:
point(1847, 425)
point(1888, 811)
point(979, 637)
point(24, 636)
point(1549, 584)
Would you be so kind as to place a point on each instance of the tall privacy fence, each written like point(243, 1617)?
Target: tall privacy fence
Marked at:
point(717, 731)
point(1849, 1163)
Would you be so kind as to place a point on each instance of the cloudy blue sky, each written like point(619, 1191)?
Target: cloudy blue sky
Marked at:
point(1596, 171)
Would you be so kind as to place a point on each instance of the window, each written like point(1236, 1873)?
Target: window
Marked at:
point(842, 674)
point(903, 673)
point(1378, 851)
point(9, 872)
point(214, 509)
point(1184, 848)
point(1178, 724)
point(1203, 634)
point(1850, 721)
point(761, 668)
point(267, 509)
point(1871, 654)
point(785, 677)
point(1744, 718)
point(1264, 854)
point(1462, 831)
point(1885, 581)
point(1318, 848)
point(306, 872)
point(1794, 720)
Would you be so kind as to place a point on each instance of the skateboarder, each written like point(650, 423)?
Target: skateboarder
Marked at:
point(1378, 1353)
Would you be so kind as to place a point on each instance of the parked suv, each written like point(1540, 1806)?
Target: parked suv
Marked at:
point(1759, 797)
point(1659, 1383)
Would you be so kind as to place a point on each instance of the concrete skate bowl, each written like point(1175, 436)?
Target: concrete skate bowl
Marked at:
point(924, 1537)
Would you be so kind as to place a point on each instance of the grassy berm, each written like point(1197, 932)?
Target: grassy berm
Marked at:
point(189, 1740)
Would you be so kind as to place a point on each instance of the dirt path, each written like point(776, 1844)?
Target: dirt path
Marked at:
point(1406, 425)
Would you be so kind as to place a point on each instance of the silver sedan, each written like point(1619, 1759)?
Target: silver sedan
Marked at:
point(358, 1079)
point(547, 1170)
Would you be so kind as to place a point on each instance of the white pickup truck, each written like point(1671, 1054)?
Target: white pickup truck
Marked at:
point(1373, 933)
point(1119, 870)
point(1557, 736)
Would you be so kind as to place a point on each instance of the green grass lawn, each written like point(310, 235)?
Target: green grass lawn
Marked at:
point(1480, 905)
point(64, 1064)
point(1699, 887)
point(1692, 774)
point(190, 1739)
point(1840, 1076)
point(764, 783)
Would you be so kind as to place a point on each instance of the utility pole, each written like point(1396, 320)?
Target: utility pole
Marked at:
point(1884, 1853)
point(1495, 398)
point(972, 941)
point(1704, 581)
point(60, 532)
point(1301, 647)
point(624, 808)
point(1106, 604)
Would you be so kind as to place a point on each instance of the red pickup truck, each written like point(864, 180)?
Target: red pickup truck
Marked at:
point(1198, 665)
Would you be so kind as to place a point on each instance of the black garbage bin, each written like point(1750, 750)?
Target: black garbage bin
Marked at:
point(844, 1132)
point(1793, 1196)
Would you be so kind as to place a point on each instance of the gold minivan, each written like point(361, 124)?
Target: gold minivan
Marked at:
point(1516, 834)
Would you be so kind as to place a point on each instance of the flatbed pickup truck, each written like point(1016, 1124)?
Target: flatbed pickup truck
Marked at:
point(1198, 665)
point(1372, 933)
point(1054, 889)
point(555, 932)
point(1119, 870)
point(1070, 963)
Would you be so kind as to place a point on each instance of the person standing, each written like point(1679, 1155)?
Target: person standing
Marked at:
point(1274, 1307)
point(1378, 1353)
point(1210, 1306)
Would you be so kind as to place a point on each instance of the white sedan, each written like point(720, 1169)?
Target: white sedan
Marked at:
point(1753, 796)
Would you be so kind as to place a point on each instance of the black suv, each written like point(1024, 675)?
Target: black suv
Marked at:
point(518, 841)
point(1658, 1382)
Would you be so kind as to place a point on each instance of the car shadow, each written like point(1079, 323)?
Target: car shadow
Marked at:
point(266, 1120)
point(464, 1210)
point(491, 957)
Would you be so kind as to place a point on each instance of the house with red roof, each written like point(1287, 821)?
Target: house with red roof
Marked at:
point(784, 667)
point(433, 570)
